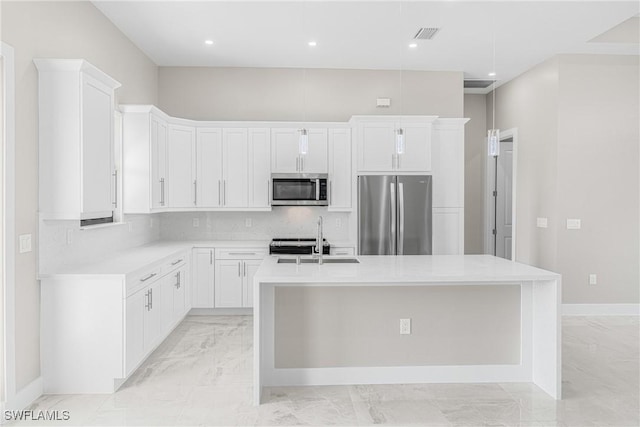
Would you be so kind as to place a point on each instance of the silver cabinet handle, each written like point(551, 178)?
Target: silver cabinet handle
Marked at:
point(151, 299)
point(330, 193)
point(239, 268)
point(144, 279)
point(115, 177)
point(298, 164)
point(219, 193)
point(177, 285)
point(393, 217)
point(245, 269)
point(224, 191)
point(195, 191)
point(401, 219)
point(269, 192)
point(301, 163)
point(211, 257)
point(161, 191)
point(175, 262)
point(242, 253)
point(147, 303)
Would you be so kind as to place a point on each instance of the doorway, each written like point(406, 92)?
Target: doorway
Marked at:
point(500, 198)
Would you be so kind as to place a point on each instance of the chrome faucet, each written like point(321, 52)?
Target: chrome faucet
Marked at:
point(319, 241)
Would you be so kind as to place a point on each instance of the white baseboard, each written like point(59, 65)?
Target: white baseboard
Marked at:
point(221, 312)
point(24, 397)
point(601, 309)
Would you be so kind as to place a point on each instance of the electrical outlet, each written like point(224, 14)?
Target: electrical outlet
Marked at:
point(542, 222)
point(593, 279)
point(196, 222)
point(405, 326)
point(248, 222)
point(25, 243)
point(338, 222)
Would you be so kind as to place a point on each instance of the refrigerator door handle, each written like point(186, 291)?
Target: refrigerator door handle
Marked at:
point(400, 250)
point(393, 217)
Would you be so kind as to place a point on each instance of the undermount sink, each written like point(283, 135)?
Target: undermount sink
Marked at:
point(315, 261)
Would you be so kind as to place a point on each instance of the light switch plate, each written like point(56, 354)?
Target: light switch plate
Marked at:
point(593, 279)
point(25, 243)
point(573, 224)
point(405, 326)
point(542, 222)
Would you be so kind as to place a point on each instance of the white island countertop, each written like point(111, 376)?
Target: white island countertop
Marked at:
point(474, 269)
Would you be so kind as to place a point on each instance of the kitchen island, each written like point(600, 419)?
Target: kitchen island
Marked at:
point(471, 318)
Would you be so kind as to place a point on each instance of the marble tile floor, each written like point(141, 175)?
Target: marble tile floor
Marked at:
point(201, 375)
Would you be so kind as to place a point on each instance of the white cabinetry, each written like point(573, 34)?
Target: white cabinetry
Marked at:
point(123, 318)
point(235, 168)
point(203, 278)
point(77, 177)
point(286, 156)
point(259, 167)
point(209, 167)
point(234, 272)
point(379, 149)
point(181, 150)
point(340, 177)
point(144, 169)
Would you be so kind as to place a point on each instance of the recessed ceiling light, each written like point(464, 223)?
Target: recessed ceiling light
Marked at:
point(313, 44)
point(413, 45)
point(209, 42)
point(492, 74)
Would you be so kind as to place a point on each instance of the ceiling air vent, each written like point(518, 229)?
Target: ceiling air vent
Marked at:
point(426, 33)
point(477, 84)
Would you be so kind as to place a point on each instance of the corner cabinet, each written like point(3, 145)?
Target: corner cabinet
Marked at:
point(77, 176)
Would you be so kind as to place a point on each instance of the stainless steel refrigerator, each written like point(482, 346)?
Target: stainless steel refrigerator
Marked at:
point(394, 215)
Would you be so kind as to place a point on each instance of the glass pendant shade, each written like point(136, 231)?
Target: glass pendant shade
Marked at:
point(493, 142)
point(303, 143)
point(399, 141)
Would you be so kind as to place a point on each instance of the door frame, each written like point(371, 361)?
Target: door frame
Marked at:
point(7, 218)
point(489, 179)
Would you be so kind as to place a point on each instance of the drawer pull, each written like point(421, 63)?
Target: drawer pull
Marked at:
point(176, 262)
point(144, 279)
point(242, 253)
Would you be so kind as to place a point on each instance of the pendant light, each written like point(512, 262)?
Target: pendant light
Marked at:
point(399, 141)
point(303, 142)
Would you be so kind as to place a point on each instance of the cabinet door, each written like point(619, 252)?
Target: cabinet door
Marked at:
point(166, 304)
point(180, 162)
point(259, 167)
point(448, 167)
point(235, 168)
point(376, 147)
point(448, 231)
point(249, 270)
point(417, 148)
point(97, 149)
point(315, 161)
point(178, 283)
point(153, 316)
point(209, 167)
point(158, 162)
point(340, 180)
point(284, 150)
point(203, 278)
point(134, 330)
point(228, 284)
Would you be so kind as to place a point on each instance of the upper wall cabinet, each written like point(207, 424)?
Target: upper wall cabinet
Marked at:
point(287, 156)
point(448, 163)
point(340, 177)
point(182, 185)
point(394, 143)
point(77, 177)
point(144, 140)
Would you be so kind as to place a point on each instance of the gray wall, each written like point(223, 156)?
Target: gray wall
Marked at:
point(578, 137)
point(203, 93)
point(56, 30)
point(318, 327)
point(475, 154)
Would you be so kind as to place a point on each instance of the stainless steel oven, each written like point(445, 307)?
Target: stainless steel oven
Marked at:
point(299, 189)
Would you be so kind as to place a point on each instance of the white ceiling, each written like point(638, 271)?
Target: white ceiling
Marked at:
point(369, 35)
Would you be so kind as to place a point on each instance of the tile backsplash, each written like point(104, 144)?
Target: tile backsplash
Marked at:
point(295, 221)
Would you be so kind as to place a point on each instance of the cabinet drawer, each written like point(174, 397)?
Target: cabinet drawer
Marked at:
point(344, 251)
point(241, 253)
point(143, 278)
point(174, 262)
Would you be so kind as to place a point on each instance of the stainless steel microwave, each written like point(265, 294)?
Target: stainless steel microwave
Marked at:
point(299, 189)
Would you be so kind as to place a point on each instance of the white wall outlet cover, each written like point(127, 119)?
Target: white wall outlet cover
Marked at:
point(196, 222)
point(338, 222)
point(405, 326)
point(573, 224)
point(383, 102)
point(593, 279)
point(25, 243)
point(542, 222)
point(248, 222)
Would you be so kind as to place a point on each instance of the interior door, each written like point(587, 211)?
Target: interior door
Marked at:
point(504, 200)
